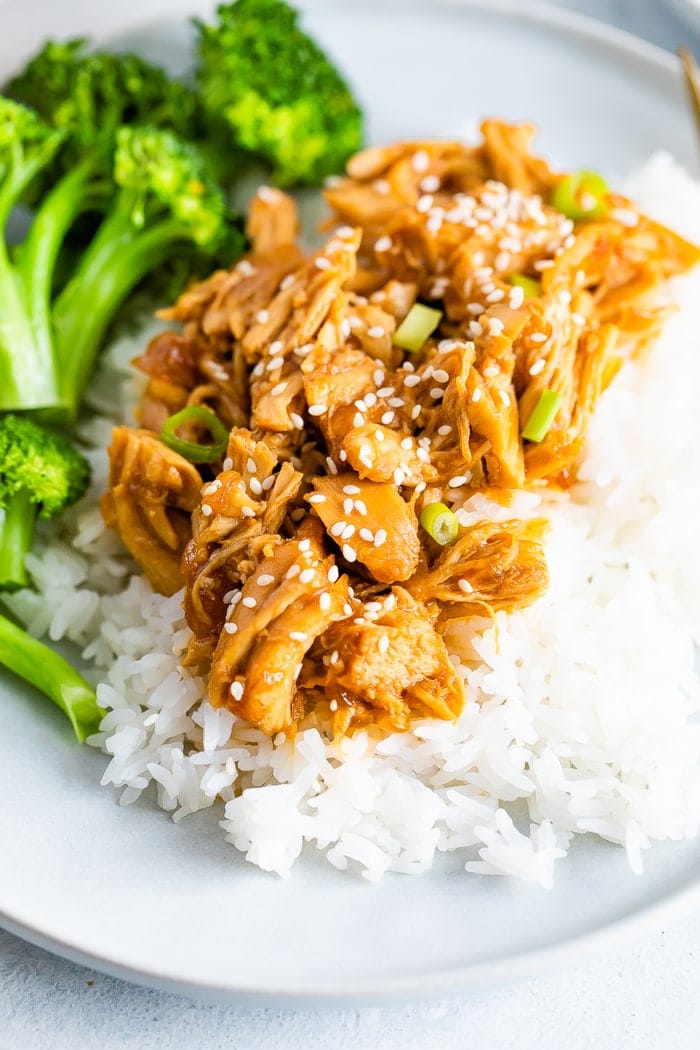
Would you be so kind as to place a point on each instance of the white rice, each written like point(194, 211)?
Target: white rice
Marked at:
point(581, 709)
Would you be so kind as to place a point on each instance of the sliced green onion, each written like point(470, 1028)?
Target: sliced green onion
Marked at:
point(419, 323)
point(529, 285)
point(440, 523)
point(582, 196)
point(542, 416)
point(191, 450)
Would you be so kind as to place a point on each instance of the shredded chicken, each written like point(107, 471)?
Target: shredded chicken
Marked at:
point(310, 587)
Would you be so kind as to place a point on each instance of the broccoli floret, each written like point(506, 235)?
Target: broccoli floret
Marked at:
point(156, 199)
point(280, 95)
point(92, 94)
point(164, 202)
point(41, 473)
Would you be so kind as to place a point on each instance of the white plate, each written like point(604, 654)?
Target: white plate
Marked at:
point(131, 893)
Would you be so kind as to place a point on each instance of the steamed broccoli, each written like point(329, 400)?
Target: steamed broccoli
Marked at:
point(90, 94)
point(41, 473)
point(156, 199)
point(278, 92)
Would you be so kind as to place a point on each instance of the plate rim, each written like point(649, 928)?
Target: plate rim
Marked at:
point(453, 980)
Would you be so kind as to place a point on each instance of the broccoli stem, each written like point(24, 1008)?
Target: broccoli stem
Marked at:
point(39, 665)
point(118, 258)
point(16, 538)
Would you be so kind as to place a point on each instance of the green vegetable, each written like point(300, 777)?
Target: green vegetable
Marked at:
point(440, 523)
point(542, 416)
point(278, 93)
point(90, 95)
point(157, 201)
point(41, 474)
point(582, 196)
point(529, 285)
point(39, 665)
point(419, 323)
point(192, 450)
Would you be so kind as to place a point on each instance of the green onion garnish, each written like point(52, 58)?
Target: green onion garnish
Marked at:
point(529, 285)
point(440, 523)
point(542, 416)
point(582, 196)
point(191, 450)
point(419, 323)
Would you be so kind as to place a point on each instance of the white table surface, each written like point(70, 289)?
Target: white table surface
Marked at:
point(641, 997)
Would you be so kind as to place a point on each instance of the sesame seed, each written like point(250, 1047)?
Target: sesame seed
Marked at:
point(411, 380)
point(206, 510)
point(385, 391)
point(333, 574)
point(387, 418)
point(249, 601)
point(333, 705)
point(424, 203)
point(251, 466)
point(476, 309)
point(351, 490)
point(420, 487)
point(537, 367)
point(358, 420)
point(247, 512)
point(306, 575)
point(416, 411)
point(347, 506)
point(476, 396)
point(538, 337)
point(437, 392)
point(441, 376)
point(298, 636)
point(475, 329)
point(379, 436)
point(370, 399)
point(337, 528)
point(457, 481)
point(304, 545)
point(317, 410)
point(296, 420)
point(255, 487)
point(245, 268)
point(365, 456)
point(292, 571)
point(274, 363)
point(349, 553)
point(420, 161)
point(407, 443)
point(361, 507)
point(383, 644)
point(516, 298)
point(495, 297)
point(376, 331)
point(347, 532)
point(317, 497)
point(423, 455)
point(496, 326)
point(324, 602)
point(227, 464)
point(444, 430)
point(465, 586)
point(286, 282)
point(332, 469)
point(361, 405)
point(430, 184)
point(279, 739)
point(269, 482)
point(367, 535)
point(264, 580)
point(578, 319)
point(383, 244)
point(378, 377)
point(262, 317)
point(398, 476)
point(492, 370)
point(564, 297)
point(236, 690)
point(230, 628)
point(381, 186)
point(322, 263)
point(278, 389)
point(505, 397)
